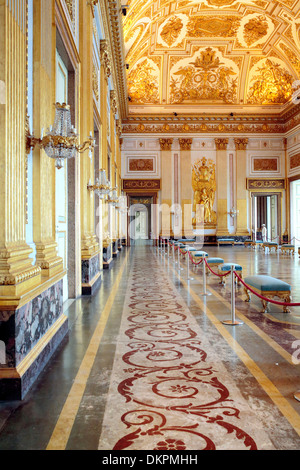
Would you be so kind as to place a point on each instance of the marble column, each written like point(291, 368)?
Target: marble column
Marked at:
point(241, 190)
point(222, 186)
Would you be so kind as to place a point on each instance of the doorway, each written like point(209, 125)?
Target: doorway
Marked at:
point(140, 220)
point(266, 210)
point(295, 212)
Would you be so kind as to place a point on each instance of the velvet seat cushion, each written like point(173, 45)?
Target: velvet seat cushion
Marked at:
point(187, 240)
point(215, 260)
point(267, 283)
point(226, 240)
point(200, 254)
point(227, 267)
point(287, 246)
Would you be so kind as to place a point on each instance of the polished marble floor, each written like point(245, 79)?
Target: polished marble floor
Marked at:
point(148, 364)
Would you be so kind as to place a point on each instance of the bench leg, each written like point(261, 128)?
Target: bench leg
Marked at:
point(248, 297)
point(288, 300)
point(265, 306)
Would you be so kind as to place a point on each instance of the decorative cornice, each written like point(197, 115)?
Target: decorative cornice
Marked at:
point(113, 32)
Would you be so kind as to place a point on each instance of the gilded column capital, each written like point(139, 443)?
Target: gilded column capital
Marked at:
point(221, 144)
point(105, 57)
point(185, 144)
point(166, 144)
point(241, 143)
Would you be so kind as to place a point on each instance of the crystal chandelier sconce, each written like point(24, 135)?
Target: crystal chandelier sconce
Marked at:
point(113, 200)
point(101, 186)
point(234, 213)
point(61, 141)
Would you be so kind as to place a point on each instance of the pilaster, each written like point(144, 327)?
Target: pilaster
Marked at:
point(166, 190)
point(222, 182)
point(17, 275)
point(241, 191)
point(186, 185)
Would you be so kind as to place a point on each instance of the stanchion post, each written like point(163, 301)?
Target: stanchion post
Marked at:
point(188, 267)
point(233, 321)
point(205, 293)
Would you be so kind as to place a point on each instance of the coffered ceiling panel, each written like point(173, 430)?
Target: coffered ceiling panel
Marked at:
point(206, 56)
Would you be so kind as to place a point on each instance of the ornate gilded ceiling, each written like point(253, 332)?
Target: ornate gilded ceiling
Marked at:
point(209, 56)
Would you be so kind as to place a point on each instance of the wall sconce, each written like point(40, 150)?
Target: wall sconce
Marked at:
point(61, 141)
point(113, 200)
point(101, 187)
point(233, 213)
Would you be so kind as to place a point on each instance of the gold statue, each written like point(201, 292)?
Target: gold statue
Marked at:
point(204, 187)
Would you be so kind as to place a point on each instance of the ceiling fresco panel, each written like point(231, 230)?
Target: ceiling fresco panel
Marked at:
point(204, 55)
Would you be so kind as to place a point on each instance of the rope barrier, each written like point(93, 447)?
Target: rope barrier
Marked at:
point(216, 274)
point(197, 264)
point(285, 304)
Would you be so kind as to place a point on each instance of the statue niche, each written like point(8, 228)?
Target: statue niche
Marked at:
point(204, 187)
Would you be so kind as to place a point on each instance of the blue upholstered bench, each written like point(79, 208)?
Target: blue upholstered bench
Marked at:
point(213, 262)
point(268, 287)
point(187, 240)
point(224, 268)
point(226, 241)
point(249, 242)
point(259, 244)
point(270, 245)
point(287, 248)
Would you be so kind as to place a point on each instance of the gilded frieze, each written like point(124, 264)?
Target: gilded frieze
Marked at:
point(271, 85)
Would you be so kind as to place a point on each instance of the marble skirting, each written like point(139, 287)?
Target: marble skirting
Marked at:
point(107, 256)
point(31, 334)
point(91, 275)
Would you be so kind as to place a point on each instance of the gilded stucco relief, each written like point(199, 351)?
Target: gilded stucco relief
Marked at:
point(143, 82)
point(207, 77)
point(271, 83)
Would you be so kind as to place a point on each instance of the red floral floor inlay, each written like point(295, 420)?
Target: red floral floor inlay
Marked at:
point(169, 390)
